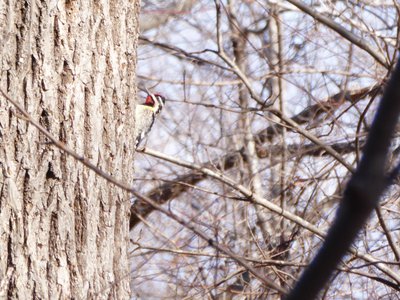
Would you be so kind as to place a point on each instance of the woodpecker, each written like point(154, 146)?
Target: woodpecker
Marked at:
point(146, 114)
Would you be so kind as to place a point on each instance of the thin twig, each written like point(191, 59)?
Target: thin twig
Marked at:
point(388, 234)
point(269, 205)
point(360, 198)
point(131, 190)
point(351, 37)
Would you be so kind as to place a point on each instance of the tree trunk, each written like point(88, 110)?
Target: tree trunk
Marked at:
point(64, 230)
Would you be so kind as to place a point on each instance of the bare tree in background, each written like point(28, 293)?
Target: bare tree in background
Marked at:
point(71, 66)
point(269, 105)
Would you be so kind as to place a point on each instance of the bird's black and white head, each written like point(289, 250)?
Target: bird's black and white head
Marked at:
point(155, 101)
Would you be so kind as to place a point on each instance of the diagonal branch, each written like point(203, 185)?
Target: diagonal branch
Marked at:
point(168, 191)
point(182, 54)
point(256, 199)
point(360, 198)
point(239, 259)
point(351, 37)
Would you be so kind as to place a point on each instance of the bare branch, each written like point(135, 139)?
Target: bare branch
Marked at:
point(169, 191)
point(154, 17)
point(256, 199)
point(149, 201)
point(351, 37)
point(360, 198)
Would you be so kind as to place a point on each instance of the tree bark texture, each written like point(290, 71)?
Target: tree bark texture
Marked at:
point(64, 231)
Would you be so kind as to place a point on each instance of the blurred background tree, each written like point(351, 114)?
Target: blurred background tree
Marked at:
point(273, 101)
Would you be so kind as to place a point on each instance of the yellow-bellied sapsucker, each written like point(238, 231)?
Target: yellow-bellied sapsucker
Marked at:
point(146, 114)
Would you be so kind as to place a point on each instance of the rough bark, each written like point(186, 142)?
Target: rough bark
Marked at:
point(63, 230)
